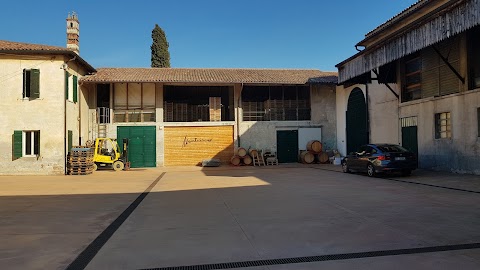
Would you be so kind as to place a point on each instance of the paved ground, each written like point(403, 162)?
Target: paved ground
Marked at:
point(192, 216)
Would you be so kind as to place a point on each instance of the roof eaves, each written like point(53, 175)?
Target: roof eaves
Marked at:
point(67, 52)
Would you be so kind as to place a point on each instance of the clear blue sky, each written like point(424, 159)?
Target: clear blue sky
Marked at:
point(209, 33)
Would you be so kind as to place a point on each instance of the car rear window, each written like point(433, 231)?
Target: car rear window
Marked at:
point(392, 148)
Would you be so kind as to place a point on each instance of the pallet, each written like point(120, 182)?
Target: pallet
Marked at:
point(80, 169)
point(81, 152)
point(79, 173)
point(80, 166)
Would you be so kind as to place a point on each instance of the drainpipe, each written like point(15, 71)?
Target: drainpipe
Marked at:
point(65, 126)
point(368, 114)
point(79, 115)
point(238, 115)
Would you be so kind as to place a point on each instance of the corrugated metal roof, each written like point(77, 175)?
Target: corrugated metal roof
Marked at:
point(409, 10)
point(211, 75)
point(454, 20)
point(12, 47)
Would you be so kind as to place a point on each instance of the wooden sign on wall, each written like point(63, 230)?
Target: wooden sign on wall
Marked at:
point(185, 146)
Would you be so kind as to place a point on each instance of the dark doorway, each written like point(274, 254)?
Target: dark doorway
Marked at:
point(287, 146)
point(103, 95)
point(409, 139)
point(103, 103)
point(357, 125)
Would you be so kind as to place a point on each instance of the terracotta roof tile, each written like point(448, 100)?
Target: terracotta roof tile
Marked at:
point(19, 46)
point(32, 49)
point(211, 75)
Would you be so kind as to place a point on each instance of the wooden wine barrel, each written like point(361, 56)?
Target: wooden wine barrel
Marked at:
point(323, 157)
point(235, 160)
point(314, 146)
point(253, 152)
point(247, 160)
point(241, 152)
point(307, 157)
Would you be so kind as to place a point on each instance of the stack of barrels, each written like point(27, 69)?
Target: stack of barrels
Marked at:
point(314, 153)
point(80, 161)
point(242, 157)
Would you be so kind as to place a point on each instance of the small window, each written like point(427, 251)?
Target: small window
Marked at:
point(473, 58)
point(412, 79)
point(31, 141)
point(26, 143)
point(443, 126)
point(31, 83)
point(71, 87)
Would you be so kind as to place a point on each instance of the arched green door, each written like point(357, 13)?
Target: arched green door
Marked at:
point(357, 125)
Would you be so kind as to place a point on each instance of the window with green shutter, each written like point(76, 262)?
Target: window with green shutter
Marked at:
point(17, 144)
point(75, 89)
point(31, 83)
point(66, 84)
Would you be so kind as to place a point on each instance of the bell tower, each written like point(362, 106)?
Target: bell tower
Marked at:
point(73, 32)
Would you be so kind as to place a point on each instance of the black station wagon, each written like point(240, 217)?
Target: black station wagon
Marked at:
point(380, 158)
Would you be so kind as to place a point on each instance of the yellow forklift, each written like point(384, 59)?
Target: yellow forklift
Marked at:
point(107, 153)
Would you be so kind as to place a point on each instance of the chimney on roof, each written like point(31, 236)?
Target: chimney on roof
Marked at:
point(73, 32)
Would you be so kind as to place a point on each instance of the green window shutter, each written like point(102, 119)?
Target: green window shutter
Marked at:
point(36, 146)
point(66, 85)
point(34, 83)
point(70, 139)
point(75, 90)
point(17, 144)
point(24, 83)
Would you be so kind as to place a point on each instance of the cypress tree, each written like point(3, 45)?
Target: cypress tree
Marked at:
point(160, 54)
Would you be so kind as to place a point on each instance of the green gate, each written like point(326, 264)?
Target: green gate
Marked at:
point(357, 125)
point(409, 133)
point(142, 145)
point(287, 146)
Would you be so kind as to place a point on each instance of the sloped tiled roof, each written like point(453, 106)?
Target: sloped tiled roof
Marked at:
point(19, 46)
point(29, 48)
point(211, 75)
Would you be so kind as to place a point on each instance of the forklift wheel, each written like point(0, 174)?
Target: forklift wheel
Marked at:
point(118, 165)
point(95, 167)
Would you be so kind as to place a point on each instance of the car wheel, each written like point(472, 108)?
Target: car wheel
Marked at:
point(371, 170)
point(406, 172)
point(345, 168)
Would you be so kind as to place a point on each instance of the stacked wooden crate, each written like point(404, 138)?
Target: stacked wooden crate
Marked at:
point(80, 161)
point(275, 109)
point(215, 108)
point(180, 112)
point(168, 111)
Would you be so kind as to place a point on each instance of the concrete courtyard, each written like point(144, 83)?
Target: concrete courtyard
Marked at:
point(240, 217)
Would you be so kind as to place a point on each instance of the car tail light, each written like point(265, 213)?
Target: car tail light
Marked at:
point(383, 157)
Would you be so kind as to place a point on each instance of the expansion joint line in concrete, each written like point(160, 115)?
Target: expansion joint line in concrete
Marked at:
point(241, 228)
point(321, 258)
point(412, 182)
point(86, 256)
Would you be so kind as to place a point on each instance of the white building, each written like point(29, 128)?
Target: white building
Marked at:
point(416, 82)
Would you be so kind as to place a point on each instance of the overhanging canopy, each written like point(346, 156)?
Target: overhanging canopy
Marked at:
point(459, 19)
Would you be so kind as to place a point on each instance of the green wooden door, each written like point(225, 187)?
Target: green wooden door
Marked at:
point(141, 147)
point(356, 116)
point(287, 146)
point(409, 139)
